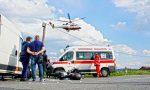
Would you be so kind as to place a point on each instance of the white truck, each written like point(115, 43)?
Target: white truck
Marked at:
point(10, 46)
point(81, 58)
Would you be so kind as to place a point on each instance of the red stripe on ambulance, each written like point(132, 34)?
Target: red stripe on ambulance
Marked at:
point(60, 63)
point(85, 62)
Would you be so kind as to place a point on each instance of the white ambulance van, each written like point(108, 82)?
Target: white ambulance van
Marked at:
point(10, 46)
point(81, 58)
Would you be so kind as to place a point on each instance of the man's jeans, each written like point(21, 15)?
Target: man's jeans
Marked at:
point(34, 61)
point(25, 64)
point(25, 69)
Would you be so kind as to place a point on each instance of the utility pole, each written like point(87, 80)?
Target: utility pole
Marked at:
point(44, 31)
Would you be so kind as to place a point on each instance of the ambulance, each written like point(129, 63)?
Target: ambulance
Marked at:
point(81, 58)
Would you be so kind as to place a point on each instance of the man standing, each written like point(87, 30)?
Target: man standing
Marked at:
point(36, 48)
point(97, 64)
point(25, 58)
point(45, 59)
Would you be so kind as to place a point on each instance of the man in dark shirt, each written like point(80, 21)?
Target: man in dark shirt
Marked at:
point(45, 59)
point(25, 58)
point(36, 48)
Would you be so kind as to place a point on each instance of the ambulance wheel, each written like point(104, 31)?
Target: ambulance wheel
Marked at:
point(105, 72)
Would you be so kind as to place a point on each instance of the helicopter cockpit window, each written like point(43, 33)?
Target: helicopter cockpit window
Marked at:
point(67, 57)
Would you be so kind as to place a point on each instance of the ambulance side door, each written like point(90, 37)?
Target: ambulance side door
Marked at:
point(84, 61)
point(68, 57)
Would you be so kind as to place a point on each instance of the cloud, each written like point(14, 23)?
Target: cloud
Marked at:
point(146, 52)
point(29, 15)
point(139, 7)
point(53, 53)
point(26, 10)
point(74, 3)
point(122, 48)
point(60, 11)
point(134, 64)
point(119, 25)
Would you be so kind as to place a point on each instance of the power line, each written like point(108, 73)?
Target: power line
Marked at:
point(76, 37)
point(97, 44)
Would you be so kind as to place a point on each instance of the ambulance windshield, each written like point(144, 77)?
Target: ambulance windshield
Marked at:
point(67, 57)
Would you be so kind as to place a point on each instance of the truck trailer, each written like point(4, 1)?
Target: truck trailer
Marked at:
point(10, 47)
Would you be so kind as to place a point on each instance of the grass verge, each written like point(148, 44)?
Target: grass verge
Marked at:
point(123, 73)
point(130, 72)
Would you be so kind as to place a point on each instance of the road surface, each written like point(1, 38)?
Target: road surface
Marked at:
point(110, 83)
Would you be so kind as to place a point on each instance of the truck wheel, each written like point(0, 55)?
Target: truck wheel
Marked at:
point(2, 78)
point(105, 72)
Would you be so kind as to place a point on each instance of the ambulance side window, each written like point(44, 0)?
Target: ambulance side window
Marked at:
point(105, 55)
point(67, 57)
point(84, 56)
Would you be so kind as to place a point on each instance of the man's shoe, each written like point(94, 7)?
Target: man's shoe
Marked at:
point(33, 80)
point(42, 80)
point(23, 79)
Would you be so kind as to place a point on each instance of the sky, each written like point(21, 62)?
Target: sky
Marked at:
point(123, 24)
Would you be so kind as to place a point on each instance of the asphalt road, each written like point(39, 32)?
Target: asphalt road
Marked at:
point(110, 83)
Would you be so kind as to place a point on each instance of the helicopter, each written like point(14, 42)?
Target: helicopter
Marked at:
point(68, 25)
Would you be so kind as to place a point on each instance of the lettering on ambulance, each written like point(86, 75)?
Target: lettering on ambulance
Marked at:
point(84, 48)
point(100, 48)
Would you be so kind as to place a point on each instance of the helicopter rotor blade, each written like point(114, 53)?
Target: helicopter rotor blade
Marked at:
point(59, 20)
point(82, 18)
point(69, 17)
point(78, 19)
point(62, 20)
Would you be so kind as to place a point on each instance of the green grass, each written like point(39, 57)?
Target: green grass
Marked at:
point(123, 73)
point(131, 72)
point(120, 73)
